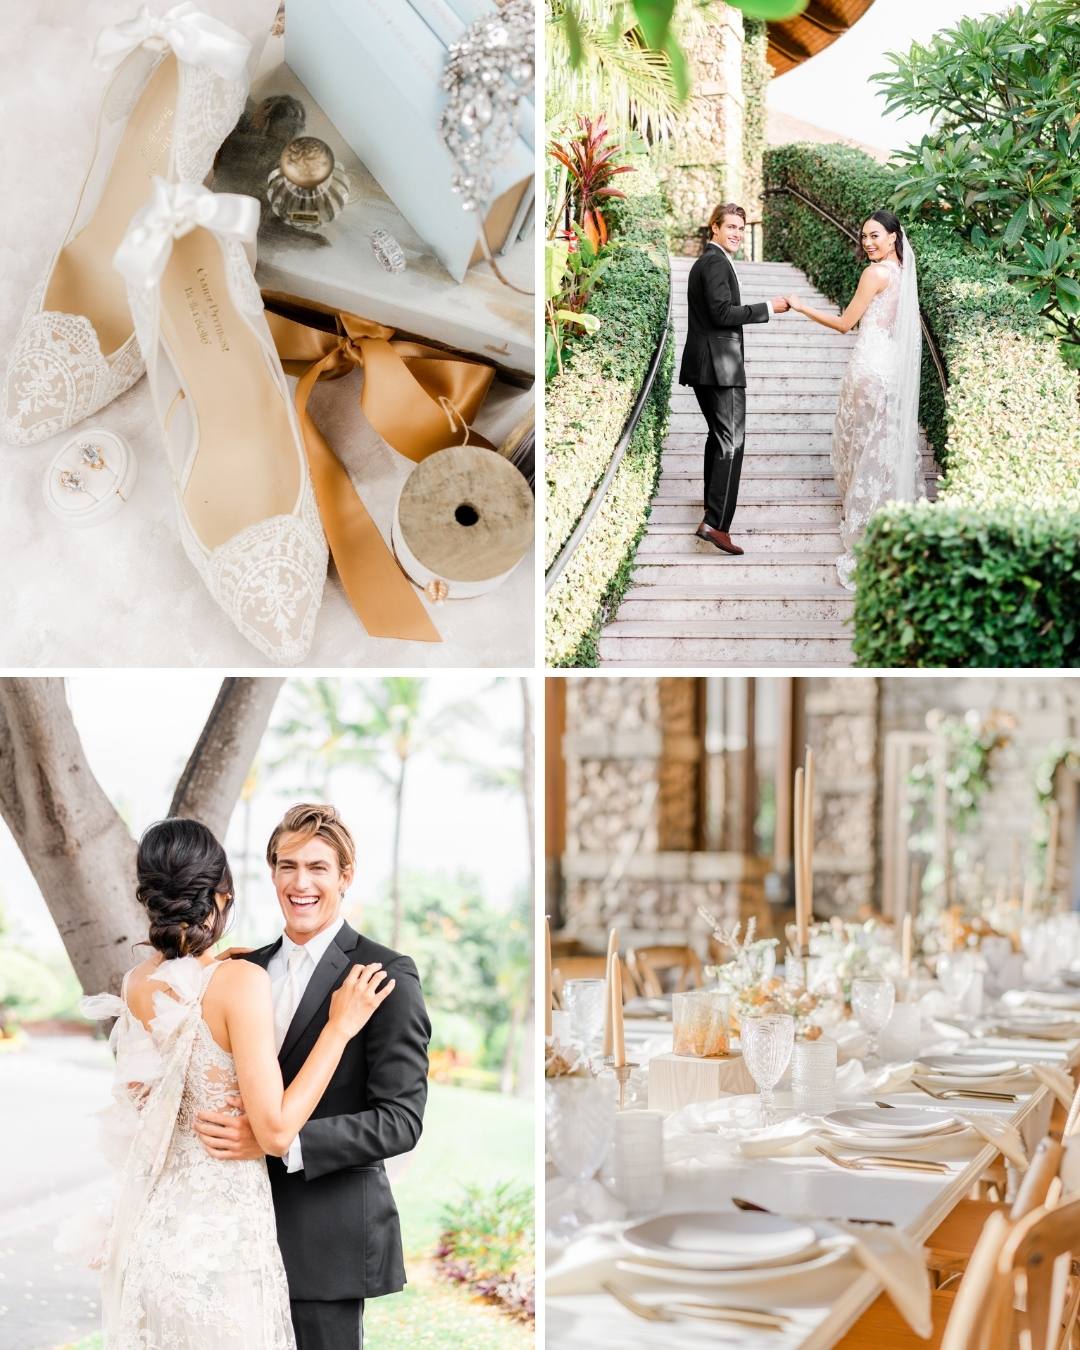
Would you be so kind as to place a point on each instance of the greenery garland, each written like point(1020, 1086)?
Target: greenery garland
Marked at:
point(755, 82)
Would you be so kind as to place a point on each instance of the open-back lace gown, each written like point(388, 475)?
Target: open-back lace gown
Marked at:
point(875, 454)
point(190, 1258)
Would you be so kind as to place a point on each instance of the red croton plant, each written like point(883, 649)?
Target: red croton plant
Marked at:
point(589, 161)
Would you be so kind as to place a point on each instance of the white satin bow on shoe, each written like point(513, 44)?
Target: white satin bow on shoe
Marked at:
point(245, 504)
point(195, 37)
point(177, 89)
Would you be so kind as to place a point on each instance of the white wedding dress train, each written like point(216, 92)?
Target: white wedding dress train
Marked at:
point(875, 446)
point(190, 1257)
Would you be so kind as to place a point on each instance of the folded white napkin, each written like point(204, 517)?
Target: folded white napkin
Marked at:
point(888, 1253)
point(1068, 999)
point(708, 1131)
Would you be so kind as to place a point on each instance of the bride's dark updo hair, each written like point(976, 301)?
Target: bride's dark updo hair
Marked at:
point(180, 868)
point(891, 225)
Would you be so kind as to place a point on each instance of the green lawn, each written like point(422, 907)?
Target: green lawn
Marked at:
point(469, 1136)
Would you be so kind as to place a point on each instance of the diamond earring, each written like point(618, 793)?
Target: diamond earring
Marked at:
point(91, 455)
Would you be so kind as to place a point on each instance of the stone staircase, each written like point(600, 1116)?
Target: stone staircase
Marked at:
point(781, 603)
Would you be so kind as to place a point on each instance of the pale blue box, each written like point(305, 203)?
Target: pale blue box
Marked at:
point(375, 67)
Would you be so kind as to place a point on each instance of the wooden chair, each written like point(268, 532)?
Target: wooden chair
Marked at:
point(952, 1242)
point(649, 964)
point(984, 1285)
point(586, 968)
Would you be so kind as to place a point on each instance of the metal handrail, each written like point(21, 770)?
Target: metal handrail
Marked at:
point(931, 345)
point(558, 567)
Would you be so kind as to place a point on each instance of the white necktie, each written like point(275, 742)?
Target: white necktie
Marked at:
point(288, 994)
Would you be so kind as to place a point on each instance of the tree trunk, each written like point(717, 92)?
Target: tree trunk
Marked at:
point(528, 769)
point(395, 864)
point(80, 852)
point(214, 774)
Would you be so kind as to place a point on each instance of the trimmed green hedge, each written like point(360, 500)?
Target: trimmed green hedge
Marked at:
point(1007, 435)
point(968, 586)
point(586, 408)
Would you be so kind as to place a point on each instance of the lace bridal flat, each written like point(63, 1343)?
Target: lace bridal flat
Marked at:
point(177, 90)
point(247, 514)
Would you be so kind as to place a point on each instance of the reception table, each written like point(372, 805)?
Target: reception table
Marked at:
point(823, 1305)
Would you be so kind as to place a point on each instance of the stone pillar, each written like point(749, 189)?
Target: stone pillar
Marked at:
point(633, 753)
point(703, 163)
point(841, 716)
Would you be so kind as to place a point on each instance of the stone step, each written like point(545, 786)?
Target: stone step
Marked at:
point(684, 571)
point(741, 664)
point(684, 480)
point(679, 263)
point(764, 421)
point(754, 488)
point(757, 401)
point(686, 513)
point(779, 536)
point(780, 642)
point(757, 442)
point(748, 604)
point(680, 303)
point(771, 381)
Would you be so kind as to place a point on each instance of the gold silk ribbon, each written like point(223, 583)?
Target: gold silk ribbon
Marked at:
point(419, 399)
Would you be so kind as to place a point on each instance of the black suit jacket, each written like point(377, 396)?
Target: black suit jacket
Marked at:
point(337, 1223)
point(714, 340)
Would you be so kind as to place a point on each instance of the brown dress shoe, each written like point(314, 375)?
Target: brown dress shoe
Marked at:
point(721, 539)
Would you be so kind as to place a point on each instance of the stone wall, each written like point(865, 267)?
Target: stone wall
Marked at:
point(703, 164)
point(634, 826)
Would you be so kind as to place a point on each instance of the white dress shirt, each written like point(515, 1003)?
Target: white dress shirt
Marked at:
point(731, 259)
point(278, 968)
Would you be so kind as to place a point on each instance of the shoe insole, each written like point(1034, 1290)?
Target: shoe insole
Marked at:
point(84, 280)
point(246, 466)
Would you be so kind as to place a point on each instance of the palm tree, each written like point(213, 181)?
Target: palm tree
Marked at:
point(386, 730)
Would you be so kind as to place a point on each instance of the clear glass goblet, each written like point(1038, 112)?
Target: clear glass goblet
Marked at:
point(579, 1126)
point(872, 1000)
point(955, 972)
point(584, 1001)
point(767, 1043)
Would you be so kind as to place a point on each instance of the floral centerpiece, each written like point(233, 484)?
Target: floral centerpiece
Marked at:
point(564, 1061)
point(842, 952)
point(754, 989)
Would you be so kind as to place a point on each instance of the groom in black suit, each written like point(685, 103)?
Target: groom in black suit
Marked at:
point(337, 1223)
point(712, 365)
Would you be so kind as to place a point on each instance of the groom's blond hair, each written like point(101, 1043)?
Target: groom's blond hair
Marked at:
point(314, 821)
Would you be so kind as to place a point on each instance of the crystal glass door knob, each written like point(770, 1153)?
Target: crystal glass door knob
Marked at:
point(307, 188)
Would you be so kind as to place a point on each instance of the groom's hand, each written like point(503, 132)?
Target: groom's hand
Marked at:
point(780, 305)
point(227, 1136)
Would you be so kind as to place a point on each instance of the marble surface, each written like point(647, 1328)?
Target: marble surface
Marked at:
point(124, 593)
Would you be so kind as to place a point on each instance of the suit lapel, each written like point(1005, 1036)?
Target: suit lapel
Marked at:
point(324, 978)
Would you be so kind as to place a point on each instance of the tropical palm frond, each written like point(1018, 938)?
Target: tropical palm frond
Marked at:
point(617, 74)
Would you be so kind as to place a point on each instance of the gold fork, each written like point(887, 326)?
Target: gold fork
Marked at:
point(707, 1312)
point(950, 1094)
point(869, 1161)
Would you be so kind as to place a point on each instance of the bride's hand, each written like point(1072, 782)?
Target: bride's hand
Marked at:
point(354, 1003)
point(794, 304)
point(230, 952)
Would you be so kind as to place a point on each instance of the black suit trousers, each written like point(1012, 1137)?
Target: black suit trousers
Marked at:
point(334, 1324)
point(724, 410)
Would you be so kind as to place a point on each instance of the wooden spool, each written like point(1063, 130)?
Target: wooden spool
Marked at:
point(462, 523)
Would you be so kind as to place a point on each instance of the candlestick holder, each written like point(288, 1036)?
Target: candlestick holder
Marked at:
point(622, 1077)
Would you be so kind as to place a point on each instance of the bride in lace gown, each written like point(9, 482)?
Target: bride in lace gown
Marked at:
point(190, 1259)
point(875, 448)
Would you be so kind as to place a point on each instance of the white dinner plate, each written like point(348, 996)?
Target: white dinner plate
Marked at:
point(964, 1066)
point(888, 1143)
point(717, 1240)
point(734, 1279)
point(900, 1121)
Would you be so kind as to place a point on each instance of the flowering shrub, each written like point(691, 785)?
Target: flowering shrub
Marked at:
point(486, 1244)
